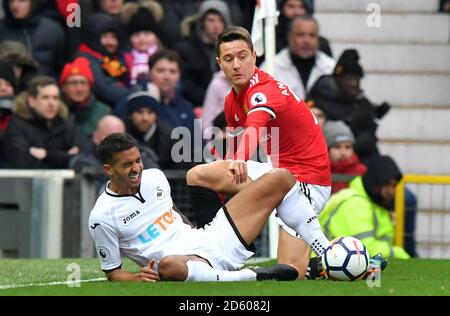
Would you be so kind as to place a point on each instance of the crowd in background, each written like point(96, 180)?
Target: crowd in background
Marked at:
point(147, 67)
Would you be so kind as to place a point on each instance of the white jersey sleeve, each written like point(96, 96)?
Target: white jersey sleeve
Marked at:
point(106, 245)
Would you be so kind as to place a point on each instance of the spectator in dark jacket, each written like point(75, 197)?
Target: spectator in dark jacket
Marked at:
point(288, 10)
point(197, 51)
point(39, 135)
point(25, 67)
point(144, 126)
point(340, 97)
point(42, 37)
point(101, 35)
point(76, 83)
point(7, 87)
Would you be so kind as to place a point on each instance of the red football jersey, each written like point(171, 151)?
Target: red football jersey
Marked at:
point(301, 146)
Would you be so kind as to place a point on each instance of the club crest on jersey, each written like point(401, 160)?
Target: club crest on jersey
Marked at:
point(159, 193)
point(258, 98)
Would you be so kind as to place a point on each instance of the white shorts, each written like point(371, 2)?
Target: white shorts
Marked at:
point(316, 196)
point(220, 243)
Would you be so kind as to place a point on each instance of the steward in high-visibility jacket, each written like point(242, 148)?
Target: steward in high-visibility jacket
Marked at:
point(362, 209)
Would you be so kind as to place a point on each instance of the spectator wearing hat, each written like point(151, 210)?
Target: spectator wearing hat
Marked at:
point(7, 79)
point(145, 38)
point(24, 66)
point(197, 49)
point(143, 124)
point(343, 159)
point(7, 85)
point(341, 98)
point(363, 210)
point(76, 82)
point(101, 46)
point(42, 37)
point(40, 135)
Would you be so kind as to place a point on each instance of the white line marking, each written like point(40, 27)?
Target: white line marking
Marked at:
point(15, 286)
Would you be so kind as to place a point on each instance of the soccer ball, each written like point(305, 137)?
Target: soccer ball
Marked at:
point(346, 259)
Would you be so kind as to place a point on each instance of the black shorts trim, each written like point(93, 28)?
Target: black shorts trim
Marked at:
point(250, 247)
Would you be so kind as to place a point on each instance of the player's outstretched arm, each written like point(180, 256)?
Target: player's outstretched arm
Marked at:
point(146, 274)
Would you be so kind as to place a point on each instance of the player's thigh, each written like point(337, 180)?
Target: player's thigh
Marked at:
point(251, 207)
point(292, 250)
point(213, 176)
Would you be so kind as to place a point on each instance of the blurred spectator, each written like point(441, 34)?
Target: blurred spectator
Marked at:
point(175, 110)
point(88, 162)
point(145, 38)
point(76, 82)
point(363, 210)
point(101, 35)
point(217, 90)
point(7, 79)
point(143, 124)
point(197, 50)
point(165, 74)
point(319, 115)
point(25, 67)
point(343, 159)
point(43, 38)
point(39, 135)
point(340, 97)
point(7, 84)
point(290, 9)
point(301, 64)
point(111, 7)
point(445, 6)
point(174, 12)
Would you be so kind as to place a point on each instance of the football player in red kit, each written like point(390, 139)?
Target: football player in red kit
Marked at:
point(261, 110)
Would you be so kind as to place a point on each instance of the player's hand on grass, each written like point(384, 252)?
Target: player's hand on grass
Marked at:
point(237, 171)
point(149, 274)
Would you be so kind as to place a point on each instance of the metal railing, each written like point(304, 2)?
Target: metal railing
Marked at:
point(433, 213)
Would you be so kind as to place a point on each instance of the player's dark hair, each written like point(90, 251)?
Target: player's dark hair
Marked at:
point(233, 33)
point(113, 144)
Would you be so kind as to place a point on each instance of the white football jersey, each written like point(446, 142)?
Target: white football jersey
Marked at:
point(140, 226)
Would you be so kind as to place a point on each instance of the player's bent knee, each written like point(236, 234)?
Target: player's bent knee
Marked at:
point(172, 268)
point(284, 179)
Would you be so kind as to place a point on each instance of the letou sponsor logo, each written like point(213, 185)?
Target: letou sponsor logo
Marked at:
point(155, 229)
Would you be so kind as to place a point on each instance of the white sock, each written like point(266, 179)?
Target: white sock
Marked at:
point(201, 271)
point(302, 219)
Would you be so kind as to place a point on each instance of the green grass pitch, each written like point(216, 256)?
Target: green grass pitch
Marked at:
point(46, 277)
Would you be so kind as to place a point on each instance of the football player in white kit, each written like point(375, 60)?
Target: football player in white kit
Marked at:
point(135, 217)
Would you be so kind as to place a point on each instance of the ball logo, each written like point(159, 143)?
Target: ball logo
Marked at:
point(258, 98)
